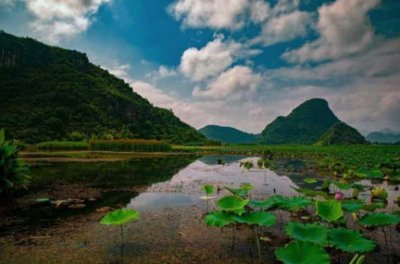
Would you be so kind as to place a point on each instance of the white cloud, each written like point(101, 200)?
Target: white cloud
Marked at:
point(344, 29)
point(165, 72)
point(234, 83)
point(215, 57)
point(209, 13)
point(56, 20)
point(284, 27)
point(221, 14)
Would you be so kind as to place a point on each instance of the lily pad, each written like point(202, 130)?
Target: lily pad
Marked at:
point(352, 206)
point(379, 219)
point(218, 219)
point(120, 217)
point(314, 233)
point(295, 203)
point(329, 210)
point(300, 252)
point(208, 189)
point(232, 203)
point(350, 241)
point(310, 180)
point(257, 218)
point(342, 185)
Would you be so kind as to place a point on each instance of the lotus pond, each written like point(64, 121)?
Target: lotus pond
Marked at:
point(189, 209)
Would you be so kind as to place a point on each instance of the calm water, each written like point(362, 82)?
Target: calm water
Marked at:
point(165, 190)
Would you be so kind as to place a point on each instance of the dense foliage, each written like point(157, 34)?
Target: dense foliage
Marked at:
point(304, 125)
point(13, 171)
point(48, 93)
point(135, 145)
point(228, 135)
point(341, 134)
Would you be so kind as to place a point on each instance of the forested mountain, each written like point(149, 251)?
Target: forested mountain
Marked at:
point(341, 134)
point(304, 125)
point(228, 135)
point(49, 93)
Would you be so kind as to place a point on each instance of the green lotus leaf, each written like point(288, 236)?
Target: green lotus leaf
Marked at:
point(310, 193)
point(373, 206)
point(350, 241)
point(246, 186)
point(352, 206)
point(218, 219)
point(359, 187)
point(295, 203)
point(238, 192)
point(314, 233)
point(379, 219)
point(120, 217)
point(232, 203)
point(329, 210)
point(257, 218)
point(208, 189)
point(342, 185)
point(300, 252)
point(310, 180)
point(263, 204)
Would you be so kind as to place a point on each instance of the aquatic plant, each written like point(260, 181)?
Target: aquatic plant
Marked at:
point(310, 180)
point(314, 233)
point(339, 196)
point(357, 259)
point(248, 164)
point(13, 170)
point(329, 210)
point(119, 218)
point(232, 203)
point(300, 252)
point(379, 193)
point(218, 219)
point(350, 241)
point(379, 219)
point(352, 206)
point(208, 189)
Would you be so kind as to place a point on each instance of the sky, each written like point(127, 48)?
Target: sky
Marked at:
point(238, 63)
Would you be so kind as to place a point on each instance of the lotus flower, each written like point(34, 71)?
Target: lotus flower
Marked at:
point(339, 196)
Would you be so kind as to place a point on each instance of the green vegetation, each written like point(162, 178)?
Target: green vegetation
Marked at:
point(229, 135)
point(62, 145)
point(50, 93)
point(304, 125)
point(347, 162)
point(133, 145)
point(13, 171)
point(309, 240)
point(341, 134)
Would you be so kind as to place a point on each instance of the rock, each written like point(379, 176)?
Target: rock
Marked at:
point(103, 209)
point(77, 206)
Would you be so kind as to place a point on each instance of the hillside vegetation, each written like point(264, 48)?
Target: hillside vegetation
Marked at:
point(228, 135)
point(49, 93)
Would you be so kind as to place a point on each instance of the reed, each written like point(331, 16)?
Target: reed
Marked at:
point(130, 145)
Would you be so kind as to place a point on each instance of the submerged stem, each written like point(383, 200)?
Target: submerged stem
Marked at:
point(258, 247)
point(122, 243)
point(386, 244)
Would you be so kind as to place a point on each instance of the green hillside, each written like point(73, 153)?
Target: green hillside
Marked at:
point(228, 135)
point(49, 93)
point(304, 125)
point(341, 134)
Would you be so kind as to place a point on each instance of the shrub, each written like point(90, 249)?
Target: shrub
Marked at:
point(13, 170)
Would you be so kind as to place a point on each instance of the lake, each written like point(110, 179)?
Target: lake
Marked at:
point(57, 220)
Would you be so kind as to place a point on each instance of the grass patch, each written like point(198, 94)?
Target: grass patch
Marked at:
point(130, 145)
point(62, 145)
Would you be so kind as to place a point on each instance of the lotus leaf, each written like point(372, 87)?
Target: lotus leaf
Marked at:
point(300, 252)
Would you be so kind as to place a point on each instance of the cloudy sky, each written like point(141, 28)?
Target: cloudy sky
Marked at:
point(238, 63)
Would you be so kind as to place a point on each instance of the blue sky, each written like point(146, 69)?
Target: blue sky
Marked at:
point(238, 63)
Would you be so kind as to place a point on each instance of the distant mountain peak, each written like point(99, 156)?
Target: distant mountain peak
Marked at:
point(304, 125)
point(228, 134)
